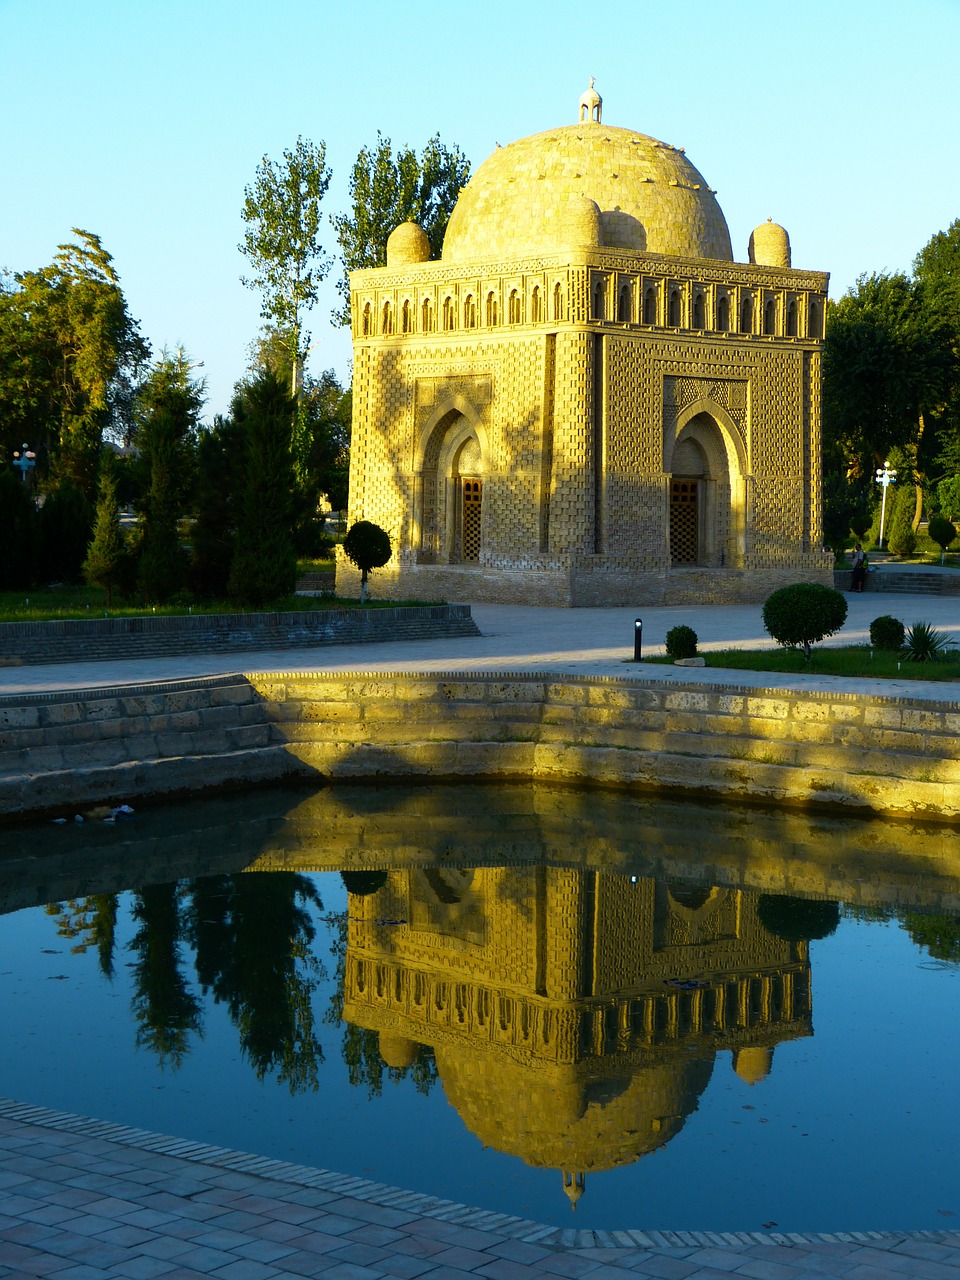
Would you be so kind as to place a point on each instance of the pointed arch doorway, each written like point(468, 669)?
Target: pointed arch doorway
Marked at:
point(450, 485)
point(706, 515)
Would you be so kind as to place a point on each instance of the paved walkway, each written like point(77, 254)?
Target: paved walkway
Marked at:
point(84, 1200)
point(584, 641)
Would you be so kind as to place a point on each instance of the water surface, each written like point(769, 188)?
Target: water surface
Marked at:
point(672, 1016)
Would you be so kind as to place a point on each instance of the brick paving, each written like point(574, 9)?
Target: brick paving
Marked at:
point(82, 1199)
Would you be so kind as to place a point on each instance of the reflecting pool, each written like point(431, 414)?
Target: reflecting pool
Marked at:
point(529, 999)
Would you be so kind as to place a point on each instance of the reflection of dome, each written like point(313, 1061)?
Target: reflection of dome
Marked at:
point(753, 1064)
point(520, 200)
point(555, 1118)
point(398, 1051)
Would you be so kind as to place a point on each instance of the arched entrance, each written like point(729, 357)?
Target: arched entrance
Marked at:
point(469, 488)
point(706, 508)
point(449, 502)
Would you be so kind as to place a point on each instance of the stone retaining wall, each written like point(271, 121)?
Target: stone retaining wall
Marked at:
point(885, 755)
point(105, 639)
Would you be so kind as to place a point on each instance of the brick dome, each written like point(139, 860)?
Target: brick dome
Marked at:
point(525, 198)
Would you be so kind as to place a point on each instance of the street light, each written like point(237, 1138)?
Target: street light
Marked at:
point(25, 459)
point(885, 477)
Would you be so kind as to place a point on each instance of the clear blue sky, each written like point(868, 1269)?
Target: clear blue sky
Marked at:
point(144, 123)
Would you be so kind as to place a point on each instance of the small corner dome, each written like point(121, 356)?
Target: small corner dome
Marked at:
point(769, 245)
point(407, 244)
point(580, 223)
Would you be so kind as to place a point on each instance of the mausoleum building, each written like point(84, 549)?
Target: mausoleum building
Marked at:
point(586, 400)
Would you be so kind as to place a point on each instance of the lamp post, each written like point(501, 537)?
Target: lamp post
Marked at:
point(885, 478)
point(25, 459)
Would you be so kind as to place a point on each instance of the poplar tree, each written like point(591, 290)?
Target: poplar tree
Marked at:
point(388, 188)
point(282, 239)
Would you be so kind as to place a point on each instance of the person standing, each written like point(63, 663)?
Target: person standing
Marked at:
point(859, 568)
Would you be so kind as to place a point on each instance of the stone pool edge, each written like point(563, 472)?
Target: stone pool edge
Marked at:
point(523, 1230)
point(812, 748)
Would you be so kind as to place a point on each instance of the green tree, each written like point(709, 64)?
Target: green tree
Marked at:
point(168, 409)
point(940, 935)
point(937, 274)
point(943, 532)
point(166, 1011)
point(886, 365)
point(388, 188)
point(65, 529)
point(321, 435)
point(948, 495)
point(90, 922)
point(839, 509)
point(264, 566)
point(69, 349)
point(282, 239)
point(219, 476)
point(368, 546)
point(902, 540)
point(105, 562)
point(19, 563)
point(252, 936)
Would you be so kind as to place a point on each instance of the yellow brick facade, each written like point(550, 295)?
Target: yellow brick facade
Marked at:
point(586, 400)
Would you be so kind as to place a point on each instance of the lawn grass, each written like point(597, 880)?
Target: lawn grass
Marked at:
point(852, 660)
point(51, 604)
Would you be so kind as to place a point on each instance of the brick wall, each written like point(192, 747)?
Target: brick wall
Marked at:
point(104, 639)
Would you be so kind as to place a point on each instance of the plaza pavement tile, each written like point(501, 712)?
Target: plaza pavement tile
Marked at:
point(264, 1232)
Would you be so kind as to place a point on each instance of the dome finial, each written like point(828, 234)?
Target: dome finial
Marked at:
point(591, 104)
point(573, 1186)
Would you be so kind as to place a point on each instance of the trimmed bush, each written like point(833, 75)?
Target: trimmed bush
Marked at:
point(799, 615)
point(368, 546)
point(681, 642)
point(886, 632)
point(942, 531)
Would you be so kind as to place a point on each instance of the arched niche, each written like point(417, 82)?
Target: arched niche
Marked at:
point(449, 473)
point(705, 464)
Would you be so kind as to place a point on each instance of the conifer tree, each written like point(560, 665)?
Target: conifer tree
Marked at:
point(167, 412)
point(264, 566)
point(105, 560)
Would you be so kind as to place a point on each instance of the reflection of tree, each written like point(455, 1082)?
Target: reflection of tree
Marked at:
point(940, 935)
point(360, 1047)
point(93, 921)
point(253, 938)
point(165, 1009)
point(797, 919)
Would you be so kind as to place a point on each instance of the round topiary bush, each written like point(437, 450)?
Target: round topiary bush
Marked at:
point(368, 546)
point(681, 642)
point(799, 615)
point(886, 632)
point(942, 531)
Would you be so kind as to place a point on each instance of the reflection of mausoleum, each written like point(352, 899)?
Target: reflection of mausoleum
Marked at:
point(574, 1015)
point(586, 400)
